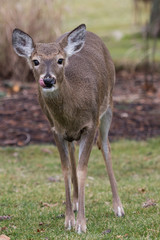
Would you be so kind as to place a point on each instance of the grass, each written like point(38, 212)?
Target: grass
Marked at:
point(25, 187)
point(102, 17)
point(109, 19)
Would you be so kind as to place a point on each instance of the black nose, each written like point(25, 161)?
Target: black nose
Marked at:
point(49, 82)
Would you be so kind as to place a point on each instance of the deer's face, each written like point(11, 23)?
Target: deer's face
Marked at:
point(48, 60)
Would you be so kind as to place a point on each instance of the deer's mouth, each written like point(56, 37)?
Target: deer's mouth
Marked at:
point(42, 84)
point(47, 83)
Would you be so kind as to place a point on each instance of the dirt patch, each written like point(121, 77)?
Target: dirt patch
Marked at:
point(136, 115)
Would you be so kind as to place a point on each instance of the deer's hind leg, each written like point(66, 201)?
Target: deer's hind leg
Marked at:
point(104, 145)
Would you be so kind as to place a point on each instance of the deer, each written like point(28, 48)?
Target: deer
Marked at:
point(75, 76)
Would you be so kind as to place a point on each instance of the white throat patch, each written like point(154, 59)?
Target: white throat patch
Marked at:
point(49, 90)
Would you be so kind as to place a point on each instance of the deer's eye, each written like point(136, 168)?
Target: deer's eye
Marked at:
point(36, 62)
point(60, 61)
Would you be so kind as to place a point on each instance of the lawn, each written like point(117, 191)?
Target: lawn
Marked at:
point(32, 193)
point(102, 17)
point(113, 21)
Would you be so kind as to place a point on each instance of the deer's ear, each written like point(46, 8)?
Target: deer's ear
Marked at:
point(22, 43)
point(75, 40)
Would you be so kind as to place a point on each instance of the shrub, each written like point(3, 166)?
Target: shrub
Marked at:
point(40, 18)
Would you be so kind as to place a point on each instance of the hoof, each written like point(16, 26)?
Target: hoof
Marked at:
point(118, 210)
point(69, 223)
point(81, 227)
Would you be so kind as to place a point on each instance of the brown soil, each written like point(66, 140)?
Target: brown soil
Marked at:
point(136, 113)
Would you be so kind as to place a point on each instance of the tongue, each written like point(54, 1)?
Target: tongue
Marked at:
point(41, 82)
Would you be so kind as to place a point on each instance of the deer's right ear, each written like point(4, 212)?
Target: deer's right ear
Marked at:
point(22, 43)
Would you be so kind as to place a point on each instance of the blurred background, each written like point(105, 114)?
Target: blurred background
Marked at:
point(130, 30)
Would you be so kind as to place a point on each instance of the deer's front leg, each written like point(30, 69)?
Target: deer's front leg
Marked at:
point(74, 176)
point(84, 153)
point(63, 151)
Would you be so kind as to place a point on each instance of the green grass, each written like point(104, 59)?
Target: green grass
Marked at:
point(106, 18)
point(24, 186)
point(102, 17)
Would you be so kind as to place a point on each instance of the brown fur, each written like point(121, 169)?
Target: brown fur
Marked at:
point(81, 105)
point(79, 95)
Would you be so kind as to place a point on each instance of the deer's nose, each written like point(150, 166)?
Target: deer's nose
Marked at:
point(49, 81)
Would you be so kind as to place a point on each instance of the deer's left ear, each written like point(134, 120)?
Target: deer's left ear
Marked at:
point(75, 40)
point(22, 43)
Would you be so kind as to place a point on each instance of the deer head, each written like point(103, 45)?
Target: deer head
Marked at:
point(48, 60)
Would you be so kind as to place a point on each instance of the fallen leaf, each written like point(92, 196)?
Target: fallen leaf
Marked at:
point(16, 88)
point(40, 230)
point(119, 237)
point(5, 218)
point(13, 226)
point(3, 228)
point(49, 204)
point(60, 216)
point(54, 179)
point(142, 190)
point(106, 231)
point(41, 223)
point(149, 203)
point(46, 150)
point(124, 115)
point(4, 237)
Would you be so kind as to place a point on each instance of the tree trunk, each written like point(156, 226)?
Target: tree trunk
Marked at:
point(154, 25)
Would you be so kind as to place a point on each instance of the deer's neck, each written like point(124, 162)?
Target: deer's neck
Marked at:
point(60, 102)
point(58, 96)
